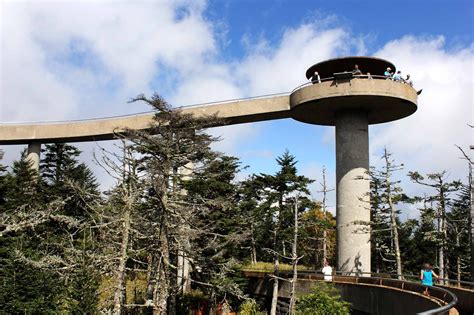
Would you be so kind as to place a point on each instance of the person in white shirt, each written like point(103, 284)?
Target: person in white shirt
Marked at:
point(316, 78)
point(327, 271)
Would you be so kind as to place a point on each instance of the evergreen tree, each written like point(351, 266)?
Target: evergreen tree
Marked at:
point(74, 182)
point(280, 190)
point(3, 182)
point(171, 207)
point(458, 233)
point(256, 218)
point(391, 195)
point(219, 225)
point(58, 160)
point(442, 202)
point(424, 239)
point(26, 287)
point(43, 235)
point(64, 175)
point(379, 227)
point(314, 223)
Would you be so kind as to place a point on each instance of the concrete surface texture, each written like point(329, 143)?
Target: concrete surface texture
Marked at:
point(366, 297)
point(352, 192)
point(232, 112)
point(383, 100)
point(33, 154)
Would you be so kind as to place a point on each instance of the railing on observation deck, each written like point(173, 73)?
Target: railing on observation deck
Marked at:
point(388, 280)
point(150, 112)
point(361, 76)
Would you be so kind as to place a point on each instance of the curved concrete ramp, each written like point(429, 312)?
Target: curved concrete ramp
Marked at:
point(232, 112)
point(367, 295)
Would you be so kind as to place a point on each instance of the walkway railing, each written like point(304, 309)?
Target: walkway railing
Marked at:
point(146, 112)
point(410, 277)
point(387, 280)
point(361, 76)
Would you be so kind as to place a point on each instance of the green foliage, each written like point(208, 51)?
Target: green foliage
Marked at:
point(278, 193)
point(250, 307)
point(313, 224)
point(267, 266)
point(42, 239)
point(25, 289)
point(83, 293)
point(458, 234)
point(324, 300)
point(191, 301)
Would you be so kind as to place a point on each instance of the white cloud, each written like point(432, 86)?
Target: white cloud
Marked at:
point(27, 88)
point(74, 59)
point(283, 67)
point(233, 136)
point(425, 141)
point(63, 60)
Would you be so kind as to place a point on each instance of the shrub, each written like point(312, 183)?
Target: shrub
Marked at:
point(324, 300)
point(250, 307)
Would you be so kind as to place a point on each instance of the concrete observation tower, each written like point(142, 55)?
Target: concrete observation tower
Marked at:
point(344, 100)
point(351, 103)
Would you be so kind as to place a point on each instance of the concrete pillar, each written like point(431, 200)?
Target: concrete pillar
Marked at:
point(34, 149)
point(353, 187)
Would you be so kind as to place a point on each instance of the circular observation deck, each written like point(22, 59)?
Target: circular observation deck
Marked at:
point(339, 90)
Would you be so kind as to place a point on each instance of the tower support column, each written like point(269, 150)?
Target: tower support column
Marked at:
point(353, 188)
point(34, 149)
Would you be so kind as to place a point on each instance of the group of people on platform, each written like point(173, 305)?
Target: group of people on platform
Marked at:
point(357, 73)
point(389, 75)
point(426, 275)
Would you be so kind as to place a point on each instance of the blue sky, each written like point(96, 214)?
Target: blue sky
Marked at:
point(74, 60)
point(380, 20)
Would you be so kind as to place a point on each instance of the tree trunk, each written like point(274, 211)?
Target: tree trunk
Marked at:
point(458, 261)
point(161, 294)
point(253, 249)
point(275, 266)
point(441, 264)
point(162, 287)
point(294, 258)
point(396, 240)
point(184, 265)
point(325, 234)
point(120, 285)
point(442, 213)
point(325, 251)
point(186, 274)
point(393, 215)
point(275, 287)
point(471, 219)
point(180, 270)
point(183, 273)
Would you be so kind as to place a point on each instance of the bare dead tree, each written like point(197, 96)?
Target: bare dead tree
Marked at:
point(470, 164)
point(439, 182)
point(294, 256)
point(325, 190)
